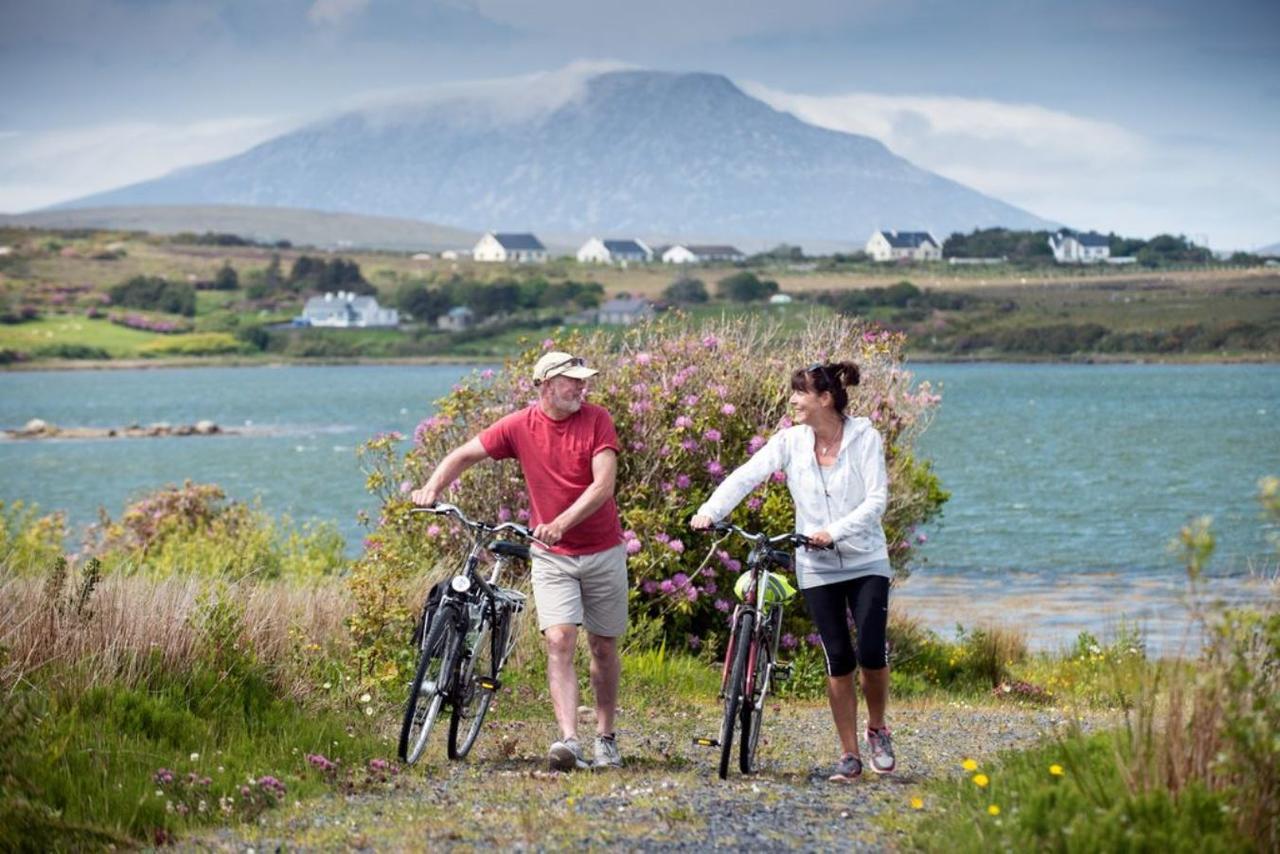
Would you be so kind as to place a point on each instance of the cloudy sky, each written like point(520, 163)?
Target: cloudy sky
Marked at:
point(1139, 117)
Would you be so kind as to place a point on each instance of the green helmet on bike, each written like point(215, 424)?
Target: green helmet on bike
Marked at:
point(777, 589)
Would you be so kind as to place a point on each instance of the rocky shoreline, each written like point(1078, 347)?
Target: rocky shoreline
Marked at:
point(37, 428)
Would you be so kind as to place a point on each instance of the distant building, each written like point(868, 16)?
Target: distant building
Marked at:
point(454, 254)
point(904, 246)
point(597, 251)
point(780, 299)
point(685, 253)
point(346, 310)
point(1072, 248)
point(520, 248)
point(457, 318)
point(422, 256)
point(624, 311)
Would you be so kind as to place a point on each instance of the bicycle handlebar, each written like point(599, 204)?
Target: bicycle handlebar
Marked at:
point(440, 508)
point(760, 538)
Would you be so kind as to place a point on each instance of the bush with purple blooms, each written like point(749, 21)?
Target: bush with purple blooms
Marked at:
point(689, 406)
point(150, 324)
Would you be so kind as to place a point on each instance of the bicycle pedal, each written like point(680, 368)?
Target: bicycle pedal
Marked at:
point(706, 742)
point(488, 684)
point(782, 672)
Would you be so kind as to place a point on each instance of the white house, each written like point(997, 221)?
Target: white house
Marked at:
point(347, 310)
point(685, 253)
point(904, 246)
point(521, 248)
point(597, 251)
point(457, 318)
point(1070, 247)
point(624, 311)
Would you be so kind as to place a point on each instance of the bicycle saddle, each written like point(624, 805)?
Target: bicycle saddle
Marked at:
point(507, 548)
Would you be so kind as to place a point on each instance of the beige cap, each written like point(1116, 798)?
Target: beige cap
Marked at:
point(557, 364)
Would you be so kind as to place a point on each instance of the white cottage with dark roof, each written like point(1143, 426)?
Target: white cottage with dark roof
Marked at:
point(606, 251)
point(687, 253)
point(1070, 247)
point(903, 246)
point(520, 248)
point(347, 310)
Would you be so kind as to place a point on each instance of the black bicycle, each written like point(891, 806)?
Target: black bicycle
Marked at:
point(466, 631)
point(751, 659)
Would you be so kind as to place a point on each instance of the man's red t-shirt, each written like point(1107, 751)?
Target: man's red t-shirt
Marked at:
point(556, 459)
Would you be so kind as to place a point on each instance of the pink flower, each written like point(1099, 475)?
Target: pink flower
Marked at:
point(712, 435)
point(695, 642)
point(785, 422)
point(486, 374)
point(778, 477)
point(714, 468)
point(649, 587)
point(711, 342)
point(921, 538)
point(522, 514)
point(722, 605)
point(728, 409)
point(789, 641)
point(633, 546)
point(433, 530)
point(813, 639)
point(628, 534)
point(683, 421)
point(504, 513)
point(753, 504)
point(667, 586)
point(755, 443)
point(547, 343)
point(689, 444)
point(662, 537)
point(683, 481)
point(643, 358)
point(638, 446)
point(691, 400)
point(405, 486)
point(676, 546)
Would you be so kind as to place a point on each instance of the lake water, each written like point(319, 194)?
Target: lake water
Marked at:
point(1067, 481)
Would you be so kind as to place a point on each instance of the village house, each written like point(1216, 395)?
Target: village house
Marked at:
point(1070, 247)
point(597, 251)
point(903, 246)
point(684, 253)
point(520, 248)
point(345, 310)
point(624, 311)
point(456, 319)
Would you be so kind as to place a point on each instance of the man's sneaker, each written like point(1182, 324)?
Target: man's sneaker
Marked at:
point(607, 754)
point(566, 755)
point(880, 746)
point(848, 769)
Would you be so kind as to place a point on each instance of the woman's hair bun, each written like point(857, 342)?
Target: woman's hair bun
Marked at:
point(846, 373)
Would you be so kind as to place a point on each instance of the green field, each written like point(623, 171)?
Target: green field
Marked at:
point(117, 341)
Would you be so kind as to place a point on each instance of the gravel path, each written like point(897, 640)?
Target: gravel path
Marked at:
point(667, 798)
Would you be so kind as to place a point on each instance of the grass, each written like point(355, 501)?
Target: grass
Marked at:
point(118, 341)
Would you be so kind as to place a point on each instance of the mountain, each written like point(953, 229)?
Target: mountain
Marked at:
point(1269, 251)
point(267, 225)
point(655, 154)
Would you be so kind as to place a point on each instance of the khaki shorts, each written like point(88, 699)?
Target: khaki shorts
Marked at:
point(582, 590)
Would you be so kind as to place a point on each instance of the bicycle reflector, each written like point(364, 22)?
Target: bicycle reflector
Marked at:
point(777, 589)
point(460, 584)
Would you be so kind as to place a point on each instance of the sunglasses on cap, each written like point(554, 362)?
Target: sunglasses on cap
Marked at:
point(575, 362)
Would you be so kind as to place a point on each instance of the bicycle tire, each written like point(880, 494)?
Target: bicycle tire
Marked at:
point(472, 701)
point(740, 647)
point(766, 646)
point(437, 651)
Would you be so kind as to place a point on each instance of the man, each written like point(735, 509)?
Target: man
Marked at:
point(568, 451)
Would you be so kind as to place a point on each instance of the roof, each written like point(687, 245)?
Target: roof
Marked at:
point(460, 311)
point(519, 241)
point(626, 305)
point(908, 239)
point(1092, 238)
point(624, 247)
point(712, 250)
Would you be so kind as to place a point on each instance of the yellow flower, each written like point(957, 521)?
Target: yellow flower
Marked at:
point(1056, 770)
point(969, 765)
point(993, 810)
point(981, 780)
point(917, 803)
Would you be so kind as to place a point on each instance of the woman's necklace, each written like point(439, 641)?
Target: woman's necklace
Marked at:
point(834, 443)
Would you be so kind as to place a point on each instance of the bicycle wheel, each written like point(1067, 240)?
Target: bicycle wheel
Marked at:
point(427, 692)
point(477, 681)
point(766, 647)
point(739, 647)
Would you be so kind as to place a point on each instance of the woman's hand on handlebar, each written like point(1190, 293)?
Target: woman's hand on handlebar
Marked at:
point(820, 539)
point(701, 522)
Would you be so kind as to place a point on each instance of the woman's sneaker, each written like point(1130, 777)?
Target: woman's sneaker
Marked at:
point(607, 753)
point(880, 746)
point(848, 769)
point(566, 755)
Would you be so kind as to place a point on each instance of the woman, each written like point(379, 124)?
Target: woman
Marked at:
point(835, 470)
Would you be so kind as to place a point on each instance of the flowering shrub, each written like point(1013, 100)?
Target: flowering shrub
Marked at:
point(150, 324)
point(689, 407)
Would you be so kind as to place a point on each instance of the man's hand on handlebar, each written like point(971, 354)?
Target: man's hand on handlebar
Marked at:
point(424, 496)
point(549, 533)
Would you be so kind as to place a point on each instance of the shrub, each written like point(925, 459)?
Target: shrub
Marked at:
point(29, 541)
point(685, 290)
point(70, 351)
point(689, 406)
point(165, 326)
point(197, 344)
point(156, 294)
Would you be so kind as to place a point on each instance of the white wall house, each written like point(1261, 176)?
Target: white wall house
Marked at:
point(520, 248)
point(686, 253)
point(597, 251)
point(346, 310)
point(903, 246)
point(1073, 248)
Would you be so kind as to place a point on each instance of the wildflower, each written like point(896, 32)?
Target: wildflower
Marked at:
point(813, 639)
point(691, 400)
point(728, 409)
point(754, 504)
point(405, 486)
point(643, 358)
point(711, 342)
point(195, 757)
point(714, 468)
point(368, 710)
point(486, 374)
point(366, 697)
point(689, 444)
point(633, 546)
point(547, 343)
point(667, 586)
point(755, 443)
point(683, 481)
point(676, 546)
point(922, 538)
point(779, 477)
point(695, 642)
point(433, 530)
point(789, 641)
point(683, 421)
point(993, 810)
point(649, 587)
point(1056, 770)
point(981, 780)
point(722, 605)
point(969, 765)
point(917, 803)
point(712, 435)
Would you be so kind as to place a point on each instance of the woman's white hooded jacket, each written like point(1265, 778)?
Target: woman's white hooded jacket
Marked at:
point(846, 500)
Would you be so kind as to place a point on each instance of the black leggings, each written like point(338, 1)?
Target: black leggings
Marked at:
point(868, 598)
